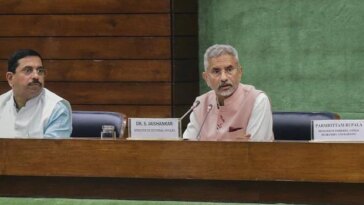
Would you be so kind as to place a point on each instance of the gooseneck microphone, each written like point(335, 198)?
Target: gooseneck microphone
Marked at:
point(195, 104)
point(209, 108)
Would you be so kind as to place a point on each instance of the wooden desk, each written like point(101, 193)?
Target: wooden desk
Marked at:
point(289, 172)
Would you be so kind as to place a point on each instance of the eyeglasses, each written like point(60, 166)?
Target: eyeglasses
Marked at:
point(216, 72)
point(29, 71)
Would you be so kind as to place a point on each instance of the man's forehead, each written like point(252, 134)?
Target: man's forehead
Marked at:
point(222, 61)
point(30, 61)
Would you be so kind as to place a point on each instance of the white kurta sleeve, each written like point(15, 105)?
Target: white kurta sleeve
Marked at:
point(192, 128)
point(260, 125)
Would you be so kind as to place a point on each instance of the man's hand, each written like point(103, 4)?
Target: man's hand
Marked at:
point(237, 135)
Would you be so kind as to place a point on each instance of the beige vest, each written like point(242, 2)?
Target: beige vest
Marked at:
point(233, 116)
point(31, 119)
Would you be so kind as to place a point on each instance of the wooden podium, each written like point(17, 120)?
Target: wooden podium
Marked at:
point(286, 172)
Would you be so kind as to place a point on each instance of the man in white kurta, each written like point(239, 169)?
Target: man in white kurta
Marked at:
point(29, 110)
point(231, 111)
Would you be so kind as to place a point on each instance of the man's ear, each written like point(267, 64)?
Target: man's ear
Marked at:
point(240, 69)
point(9, 78)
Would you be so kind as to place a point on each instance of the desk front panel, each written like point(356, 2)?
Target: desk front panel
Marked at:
point(289, 172)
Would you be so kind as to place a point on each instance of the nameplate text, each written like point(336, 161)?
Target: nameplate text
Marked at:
point(154, 128)
point(338, 130)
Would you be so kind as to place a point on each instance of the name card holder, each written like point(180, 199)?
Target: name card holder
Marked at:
point(337, 130)
point(155, 129)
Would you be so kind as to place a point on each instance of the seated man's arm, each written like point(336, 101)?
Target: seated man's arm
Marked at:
point(60, 122)
point(260, 125)
point(192, 128)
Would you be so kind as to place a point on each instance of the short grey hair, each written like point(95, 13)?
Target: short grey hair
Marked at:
point(218, 50)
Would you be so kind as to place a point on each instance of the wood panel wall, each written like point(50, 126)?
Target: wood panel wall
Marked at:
point(184, 56)
point(138, 57)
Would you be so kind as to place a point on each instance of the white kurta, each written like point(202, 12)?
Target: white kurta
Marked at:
point(31, 119)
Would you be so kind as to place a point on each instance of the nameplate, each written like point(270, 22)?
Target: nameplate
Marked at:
point(154, 128)
point(338, 130)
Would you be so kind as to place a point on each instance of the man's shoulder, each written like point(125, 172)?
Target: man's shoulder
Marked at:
point(56, 99)
point(5, 96)
point(53, 96)
point(50, 94)
point(247, 87)
point(262, 98)
point(253, 90)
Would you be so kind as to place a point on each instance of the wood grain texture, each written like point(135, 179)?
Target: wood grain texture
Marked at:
point(90, 48)
point(130, 110)
point(280, 172)
point(108, 54)
point(282, 161)
point(84, 6)
point(110, 93)
point(104, 70)
point(223, 191)
point(85, 25)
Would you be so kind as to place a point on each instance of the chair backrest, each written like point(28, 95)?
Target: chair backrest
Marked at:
point(297, 125)
point(89, 123)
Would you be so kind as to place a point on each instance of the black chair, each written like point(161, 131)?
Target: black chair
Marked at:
point(89, 123)
point(297, 125)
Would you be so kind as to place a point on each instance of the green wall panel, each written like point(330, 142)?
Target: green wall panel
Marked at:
point(307, 55)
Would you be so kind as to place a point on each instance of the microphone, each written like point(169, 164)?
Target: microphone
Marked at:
point(195, 104)
point(209, 108)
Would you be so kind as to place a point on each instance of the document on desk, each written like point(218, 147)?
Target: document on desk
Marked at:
point(155, 128)
point(337, 130)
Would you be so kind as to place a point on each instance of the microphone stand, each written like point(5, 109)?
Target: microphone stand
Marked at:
point(188, 111)
point(204, 120)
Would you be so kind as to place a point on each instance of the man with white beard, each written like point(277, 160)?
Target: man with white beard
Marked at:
point(231, 111)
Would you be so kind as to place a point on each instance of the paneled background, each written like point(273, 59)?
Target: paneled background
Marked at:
point(138, 57)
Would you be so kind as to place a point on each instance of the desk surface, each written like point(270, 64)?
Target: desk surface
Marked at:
point(246, 170)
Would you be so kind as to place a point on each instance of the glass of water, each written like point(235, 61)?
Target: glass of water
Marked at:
point(108, 131)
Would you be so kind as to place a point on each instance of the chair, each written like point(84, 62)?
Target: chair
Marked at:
point(89, 123)
point(297, 125)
